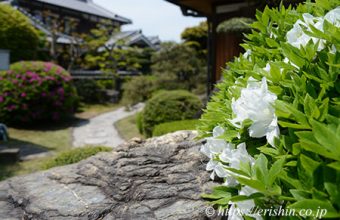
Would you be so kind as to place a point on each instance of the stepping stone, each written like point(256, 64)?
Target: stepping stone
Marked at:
point(9, 155)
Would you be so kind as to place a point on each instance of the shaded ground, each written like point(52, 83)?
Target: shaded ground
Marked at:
point(39, 143)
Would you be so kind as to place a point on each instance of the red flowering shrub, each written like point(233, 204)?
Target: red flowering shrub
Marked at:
point(36, 91)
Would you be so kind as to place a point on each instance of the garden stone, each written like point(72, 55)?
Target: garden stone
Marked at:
point(158, 178)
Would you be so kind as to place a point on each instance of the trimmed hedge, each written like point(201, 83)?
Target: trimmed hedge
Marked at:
point(17, 34)
point(166, 106)
point(169, 127)
point(74, 156)
point(36, 91)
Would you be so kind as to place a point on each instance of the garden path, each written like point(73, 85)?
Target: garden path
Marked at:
point(100, 130)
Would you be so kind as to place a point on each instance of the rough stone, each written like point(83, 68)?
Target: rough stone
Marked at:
point(160, 178)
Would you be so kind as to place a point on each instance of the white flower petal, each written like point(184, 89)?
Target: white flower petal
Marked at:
point(220, 171)
point(333, 17)
point(267, 68)
point(255, 104)
point(258, 129)
point(206, 150)
point(218, 131)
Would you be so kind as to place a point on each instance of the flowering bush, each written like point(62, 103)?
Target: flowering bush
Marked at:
point(36, 91)
point(273, 129)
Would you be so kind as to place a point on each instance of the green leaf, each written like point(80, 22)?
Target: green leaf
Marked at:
point(293, 54)
point(300, 194)
point(315, 206)
point(309, 143)
point(327, 137)
point(275, 170)
point(335, 165)
point(272, 43)
point(308, 164)
point(292, 111)
point(258, 185)
point(333, 191)
point(261, 169)
point(223, 201)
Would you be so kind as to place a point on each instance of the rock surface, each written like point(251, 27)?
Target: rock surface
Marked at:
point(160, 178)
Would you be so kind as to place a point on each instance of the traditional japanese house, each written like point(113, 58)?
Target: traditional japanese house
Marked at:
point(78, 16)
point(223, 47)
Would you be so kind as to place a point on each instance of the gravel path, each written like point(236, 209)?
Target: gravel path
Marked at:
point(100, 130)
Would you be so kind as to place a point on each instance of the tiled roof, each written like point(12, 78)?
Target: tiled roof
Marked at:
point(87, 7)
point(131, 37)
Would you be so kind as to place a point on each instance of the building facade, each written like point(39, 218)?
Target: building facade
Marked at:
point(72, 16)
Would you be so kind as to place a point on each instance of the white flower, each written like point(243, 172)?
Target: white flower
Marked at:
point(247, 54)
point(286, 60)
point(218, 131)
point(217, 168)
point(267, 68)
point(333, 49)
point(244, 207)
point(210, 149)
point(297, 37)
point(255, 104)
point(237, 156)
point(215, 146)
point(333, 17)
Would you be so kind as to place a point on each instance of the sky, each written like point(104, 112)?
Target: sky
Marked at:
point(154, 17)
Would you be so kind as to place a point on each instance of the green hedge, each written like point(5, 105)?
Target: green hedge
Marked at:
point(166, 106)
point(17, 34)
point(74, 156)
point(169, 127)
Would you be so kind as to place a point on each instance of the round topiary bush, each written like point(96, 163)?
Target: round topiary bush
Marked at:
point(273, 128)
point(169, 127)
point(36, 91)
point(166, 106)
point(17, 34)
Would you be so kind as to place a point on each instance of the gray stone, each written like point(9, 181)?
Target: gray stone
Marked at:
point(160, 178)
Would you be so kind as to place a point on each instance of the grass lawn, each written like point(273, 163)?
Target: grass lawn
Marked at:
point(52, 139)
point(87, 111)
point(127, 128)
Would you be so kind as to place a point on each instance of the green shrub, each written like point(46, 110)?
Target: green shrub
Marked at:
point(92, 91)
point(74, 156)
point(17, 34)
point(36, 91)
point(166, 106)
point(138, 89)
point(173, 126)
point(139, 121)
point(235, 25)
point(273, 127)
